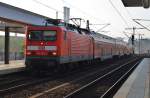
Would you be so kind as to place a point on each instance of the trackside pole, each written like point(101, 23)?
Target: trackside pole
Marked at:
point(6, 59)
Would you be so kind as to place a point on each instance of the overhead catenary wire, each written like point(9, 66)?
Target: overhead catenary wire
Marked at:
point(83, 12)
point(142, 19)
point(129, 14)
point(45, 5)
point(126, 23)
point(135, 20)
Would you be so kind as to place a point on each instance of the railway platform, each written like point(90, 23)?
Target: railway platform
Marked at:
point(138, 83)
point(13, 66)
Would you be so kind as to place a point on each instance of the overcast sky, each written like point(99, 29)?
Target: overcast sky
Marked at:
point(97, 11)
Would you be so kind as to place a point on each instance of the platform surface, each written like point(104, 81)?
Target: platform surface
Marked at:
point(13, 66)
point(138, 83)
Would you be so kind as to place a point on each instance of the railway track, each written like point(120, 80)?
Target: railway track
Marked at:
point(64, 89)
point(20, 83)
point(53, 85)
point(106, 85)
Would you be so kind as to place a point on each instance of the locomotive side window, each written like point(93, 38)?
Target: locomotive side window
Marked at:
point(49, 35)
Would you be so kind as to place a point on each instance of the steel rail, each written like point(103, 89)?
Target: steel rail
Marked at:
point(27, 84)
point(96, 80)
point(15, 87)
point(72, 81)
point(117, 83)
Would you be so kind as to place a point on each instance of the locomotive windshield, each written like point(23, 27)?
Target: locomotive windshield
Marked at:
point(42, 35)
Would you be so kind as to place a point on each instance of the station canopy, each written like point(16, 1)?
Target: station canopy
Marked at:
point(136, 3)
point(17, 19)
point(13, 26)
point(132, 3)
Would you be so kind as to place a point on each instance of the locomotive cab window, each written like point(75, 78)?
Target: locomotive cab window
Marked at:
point(42, 35)
point(35, 35)
point(49, 35)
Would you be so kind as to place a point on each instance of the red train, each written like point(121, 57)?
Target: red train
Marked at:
point(60, 43)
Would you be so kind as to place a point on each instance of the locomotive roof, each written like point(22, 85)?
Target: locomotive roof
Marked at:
point(97, 36)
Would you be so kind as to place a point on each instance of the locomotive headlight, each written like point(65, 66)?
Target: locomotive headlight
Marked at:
point(28, 53)
point(54, 53)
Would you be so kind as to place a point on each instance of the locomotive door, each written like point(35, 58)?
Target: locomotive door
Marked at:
point(69, 49)
point(93, 47)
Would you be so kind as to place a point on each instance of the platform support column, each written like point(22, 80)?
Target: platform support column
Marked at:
point(6, 59)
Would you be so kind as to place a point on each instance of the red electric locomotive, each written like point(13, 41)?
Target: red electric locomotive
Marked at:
point(54, 45)
point(60, 43)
